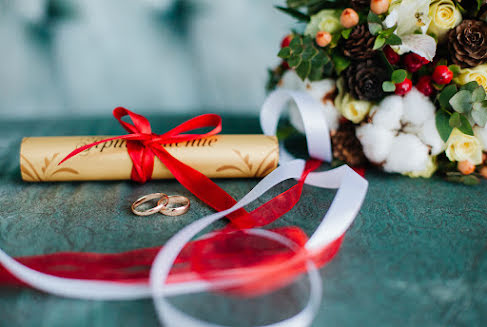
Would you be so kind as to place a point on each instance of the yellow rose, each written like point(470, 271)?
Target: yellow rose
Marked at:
point(353, 110)
point(477, 74)
point(460, 147)
point(430, 169)
point(444, 16)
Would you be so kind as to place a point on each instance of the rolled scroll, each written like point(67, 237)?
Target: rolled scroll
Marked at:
point(219, 156)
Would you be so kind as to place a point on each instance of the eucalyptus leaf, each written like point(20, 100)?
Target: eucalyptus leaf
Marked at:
point(398, 76)
point(445, 96)
point(375, 28)
point(443, 125)
point(379, 42)
point(470, 86)
point(461, 122)
point(388, 86)
point(478, 94)
point(479, 113)
point(462, 101)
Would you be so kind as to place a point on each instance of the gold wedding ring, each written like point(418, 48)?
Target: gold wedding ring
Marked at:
point(176, 206)
point(161, 204)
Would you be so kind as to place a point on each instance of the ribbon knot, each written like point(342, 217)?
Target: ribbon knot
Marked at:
point(143, 145)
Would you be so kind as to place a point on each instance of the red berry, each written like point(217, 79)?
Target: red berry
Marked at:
point(391, 55)
point(442, 75)
point(404, 87)
point(414, 62)
point(285, 65)
point(425, 86)
point(286, 40)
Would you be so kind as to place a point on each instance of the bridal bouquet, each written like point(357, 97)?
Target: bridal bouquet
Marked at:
point(402, 83)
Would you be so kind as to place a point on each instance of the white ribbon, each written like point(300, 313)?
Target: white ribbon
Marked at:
point(345, 206)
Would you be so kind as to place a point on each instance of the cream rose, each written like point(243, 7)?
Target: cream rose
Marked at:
point(460, 147)
point(444, 16)
point(327, 20)
point(477, 74)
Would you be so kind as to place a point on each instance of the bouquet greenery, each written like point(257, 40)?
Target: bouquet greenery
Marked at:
point(402, 83)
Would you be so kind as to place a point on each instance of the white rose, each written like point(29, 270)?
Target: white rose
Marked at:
point(460, 147)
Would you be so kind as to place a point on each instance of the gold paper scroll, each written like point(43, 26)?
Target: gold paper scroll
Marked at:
point(220, 156)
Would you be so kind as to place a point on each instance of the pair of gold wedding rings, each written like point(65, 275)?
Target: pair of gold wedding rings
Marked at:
point(169, 205)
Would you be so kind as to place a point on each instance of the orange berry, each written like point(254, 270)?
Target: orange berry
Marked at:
point(323, 38)
point(466, 167)
point(349, 18)
point(483, 171)
point(379, 6)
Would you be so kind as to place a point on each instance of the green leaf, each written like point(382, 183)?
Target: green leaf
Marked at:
point(470, 86)
point(462, 101)
point(295, 43)
point(341, 63)
point(375, 28)
point(478, 95)
point(373, 18)
point(303, 69)
point(294, 61)
point(309, 52)
point(388, 86)
point(470, 180)
point(294, 13)
point(442, 124)
point(394, 40)
point(398, 76)
point(379, 42)
point(479, 113)
point(445, 96)
point(455, 69)
point(284, 53)
point(298, 50)
point(457, 177)
point(455, 120)
point(461, 122)
point(346, 33)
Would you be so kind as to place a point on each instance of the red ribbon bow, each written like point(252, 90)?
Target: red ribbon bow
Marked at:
point(143, 145)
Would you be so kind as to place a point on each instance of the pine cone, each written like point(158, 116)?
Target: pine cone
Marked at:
point(359, 44)
point(360, 4)
point(346, 146)
point(467, 43)
point(364, 79)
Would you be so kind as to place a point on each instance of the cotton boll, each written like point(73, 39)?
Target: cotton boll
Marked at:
point(481, 134)
point(376, 141)
point(407, 154)
point(417, 108)
point(430, 136)
point(291, 81)
point(388, 113)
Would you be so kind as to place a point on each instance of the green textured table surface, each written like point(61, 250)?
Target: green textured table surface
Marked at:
point(415, 256)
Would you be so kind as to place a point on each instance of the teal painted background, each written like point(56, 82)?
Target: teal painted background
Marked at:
point(415, 256)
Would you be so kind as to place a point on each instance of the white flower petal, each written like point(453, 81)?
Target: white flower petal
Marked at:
point(423, 45)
